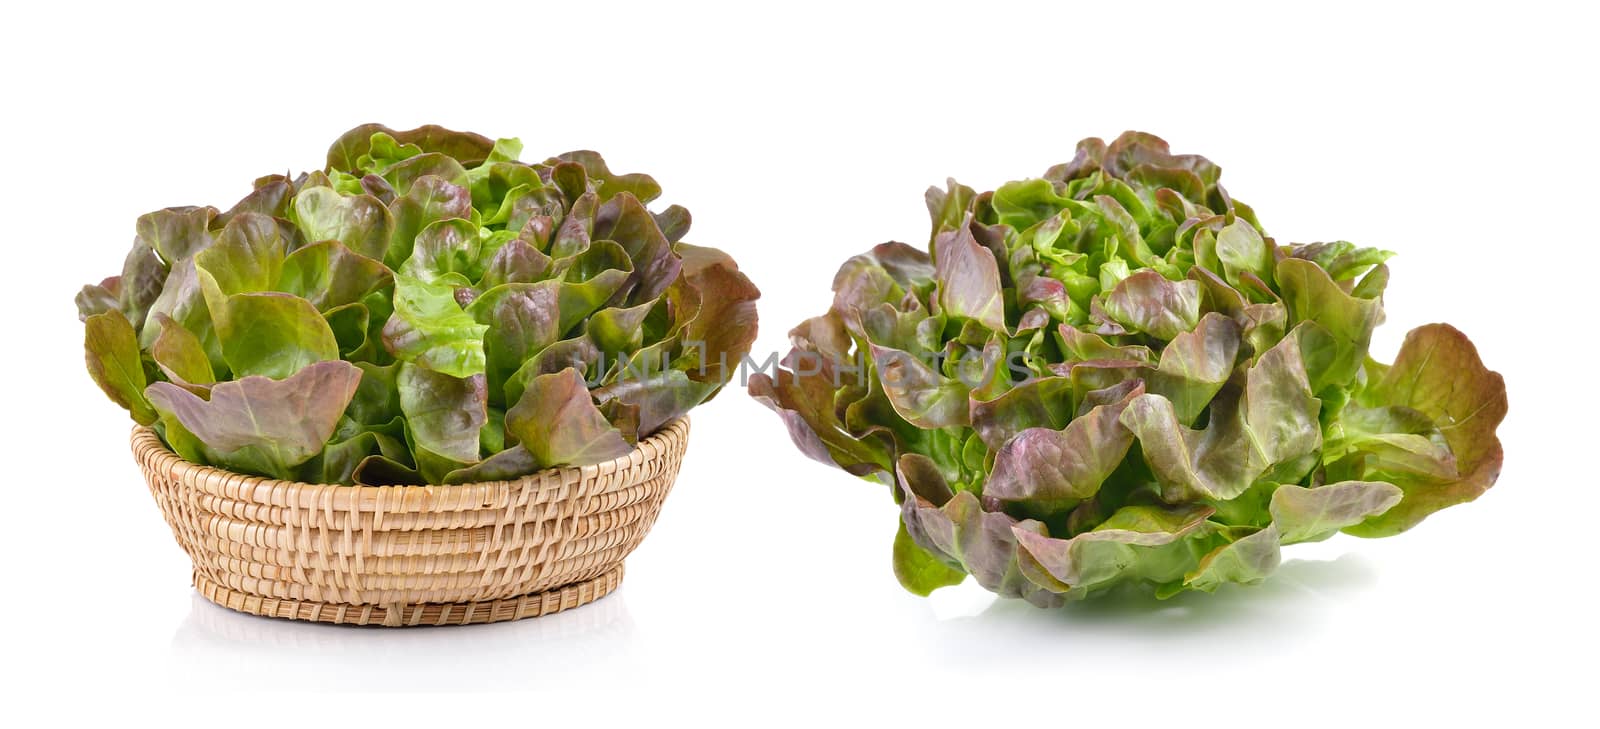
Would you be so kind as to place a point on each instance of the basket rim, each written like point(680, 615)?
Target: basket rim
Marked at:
point(152, 454)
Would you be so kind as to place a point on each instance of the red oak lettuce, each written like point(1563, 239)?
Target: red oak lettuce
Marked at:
point(426, 309)
point(1111, 376)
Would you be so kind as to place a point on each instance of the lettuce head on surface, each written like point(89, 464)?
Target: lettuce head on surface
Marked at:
point(1111, 375)
point(425, 309)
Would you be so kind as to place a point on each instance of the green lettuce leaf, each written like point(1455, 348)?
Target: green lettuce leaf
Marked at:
point(113, 359)
point(430, 328)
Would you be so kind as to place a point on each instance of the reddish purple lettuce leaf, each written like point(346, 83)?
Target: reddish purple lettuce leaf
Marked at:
point(260, 425)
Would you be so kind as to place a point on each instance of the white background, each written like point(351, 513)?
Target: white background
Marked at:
point(1459, 137)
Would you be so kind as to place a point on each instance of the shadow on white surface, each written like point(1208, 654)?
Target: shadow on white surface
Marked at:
point(1288, 606)
point(501, 656)
point(1296, 585)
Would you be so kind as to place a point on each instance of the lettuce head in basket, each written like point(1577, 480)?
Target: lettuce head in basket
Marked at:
point(426, 309)
point(1110, 375)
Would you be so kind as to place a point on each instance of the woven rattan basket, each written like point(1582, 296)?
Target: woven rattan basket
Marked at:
point(412, 555)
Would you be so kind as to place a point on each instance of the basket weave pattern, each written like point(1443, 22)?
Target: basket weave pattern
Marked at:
point(412, 555)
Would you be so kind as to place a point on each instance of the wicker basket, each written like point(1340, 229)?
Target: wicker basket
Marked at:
point(412, 555)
